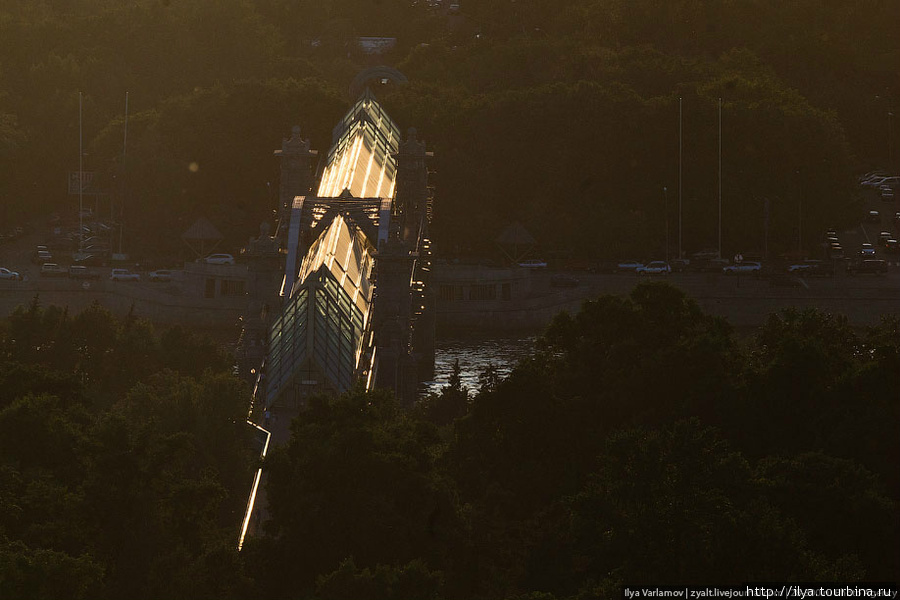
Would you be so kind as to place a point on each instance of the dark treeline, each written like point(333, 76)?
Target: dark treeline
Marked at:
point(642, 443)
point(562, 114)
point(124, 458)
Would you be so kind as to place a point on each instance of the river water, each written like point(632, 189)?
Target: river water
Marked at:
point(475, 354)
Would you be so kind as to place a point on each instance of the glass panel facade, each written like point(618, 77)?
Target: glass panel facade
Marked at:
point(287, 343)
point(345, 252)
point(334, 277)
point(338, 333)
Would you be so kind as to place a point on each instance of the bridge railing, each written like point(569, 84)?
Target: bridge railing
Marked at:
point(266, 438)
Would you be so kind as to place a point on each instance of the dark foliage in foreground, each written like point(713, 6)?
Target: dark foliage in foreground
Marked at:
point(641, 444)
point(123, 472)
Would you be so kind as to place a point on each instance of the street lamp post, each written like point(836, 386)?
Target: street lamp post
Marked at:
point(666, 194)
point(799, 215)
point(890, 116)
point(80, 178)
point(719, 253)
point(890, 140)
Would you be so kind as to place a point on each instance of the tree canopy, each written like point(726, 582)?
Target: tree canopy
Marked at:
point(563, 114)
point(123, 469)
point(642, 442)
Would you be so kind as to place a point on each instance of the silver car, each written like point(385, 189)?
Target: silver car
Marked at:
point(11, 275)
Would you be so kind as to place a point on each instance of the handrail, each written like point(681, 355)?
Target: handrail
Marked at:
point(251, 501)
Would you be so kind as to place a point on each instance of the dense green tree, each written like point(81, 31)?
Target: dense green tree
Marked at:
point(12, 138)
point(413, 580)
point(18, 380)
point(451, 403)
point(359, 477)
point(557, 478)
point(607, 130)
point(47, 574)
point(597, 84)
point(840, 506)
point(182, 157)
point(170, 468)
point(680, 506)
point(815, 384)
point(117, 480)
point(619, 362)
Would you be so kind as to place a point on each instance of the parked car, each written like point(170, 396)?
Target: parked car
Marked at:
point(747, 267)
point(892, 246)
point(124, 275)
point(160, 275)
point(878, 173)
point(222, 259)
point(813, 268)
point(90, 260)
point(534, 263)
point(628, 266)
point(874, 179)
point(53, 270)
point(877, 182)
point(41, 257)
point(656, 267)
point(82, 272)
point(869, 265)
point(887, 194)
point(873, 217)
point(10, 275)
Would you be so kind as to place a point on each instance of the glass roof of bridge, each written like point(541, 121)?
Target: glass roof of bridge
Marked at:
point(324, 321)
point(361, 158)
point(345, 252)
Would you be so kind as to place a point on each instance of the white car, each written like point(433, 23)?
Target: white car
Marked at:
point(7, 274)
point(745, 267)
point(656, 267)
point(219, 259)
point(124, 275)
